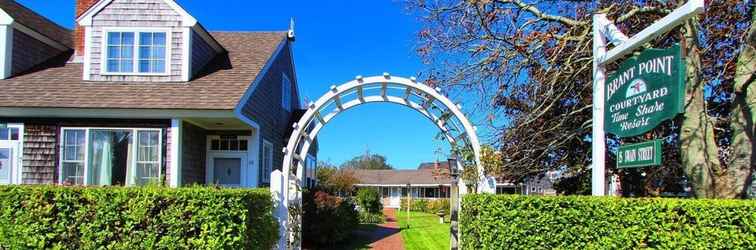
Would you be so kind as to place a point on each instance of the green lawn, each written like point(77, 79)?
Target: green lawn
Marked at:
point(424, 232)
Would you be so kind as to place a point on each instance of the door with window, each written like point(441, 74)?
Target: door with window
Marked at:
point(10, 153)
point(396, 198)
point(227, 160)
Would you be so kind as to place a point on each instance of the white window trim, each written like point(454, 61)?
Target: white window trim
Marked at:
point(136, 31)
point(265, 178)
point(134, 146)
point(284, 97)
point(17, 155)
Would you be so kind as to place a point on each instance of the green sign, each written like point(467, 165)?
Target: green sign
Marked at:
point(644, 91)
point(640, 154)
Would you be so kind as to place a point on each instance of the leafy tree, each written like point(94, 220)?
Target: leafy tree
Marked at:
point(367, 161)
point(527, 64)
point(369, 200)
point(334, 180)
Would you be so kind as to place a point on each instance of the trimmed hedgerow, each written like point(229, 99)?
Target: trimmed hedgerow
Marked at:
point(45, 217)
point(574, 222)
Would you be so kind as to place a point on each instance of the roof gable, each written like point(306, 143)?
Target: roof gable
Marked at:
point(13, 12)
point(86, 18)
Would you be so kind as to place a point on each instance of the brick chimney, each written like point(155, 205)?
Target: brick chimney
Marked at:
point(81, 7)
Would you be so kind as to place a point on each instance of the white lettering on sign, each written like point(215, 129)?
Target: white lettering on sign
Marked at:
point(659, 65)
point(642, 98)
point(639, 154)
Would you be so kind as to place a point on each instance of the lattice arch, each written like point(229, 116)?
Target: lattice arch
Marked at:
point(429, 102)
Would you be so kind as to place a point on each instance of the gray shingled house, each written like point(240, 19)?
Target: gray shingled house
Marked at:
point(140, 92)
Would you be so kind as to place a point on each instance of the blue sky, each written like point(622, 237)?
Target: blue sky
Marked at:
point(335, 41)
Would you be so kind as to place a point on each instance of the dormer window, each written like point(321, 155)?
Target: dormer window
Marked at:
point(136, 52)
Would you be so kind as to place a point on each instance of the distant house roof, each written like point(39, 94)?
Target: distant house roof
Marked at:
point(38, 23)
point(400, 177)
point(219, 86)
point(434, 165)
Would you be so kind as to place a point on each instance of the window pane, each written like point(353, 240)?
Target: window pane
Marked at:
point(73, 174)
point(215, 144)
point(14, 134)
point(158, 53)
point(114, 38)
point(126, 66)
point(233, 145)
point(159, 66)
point(127, 52)
point(242, 145)
point(159, 39)
point(114, 52)
point(224, 145)
point(127, 38)
point(4, 134)
point(144, 66)
point(109, 154)
point(144, 52)
point(73, 141)
point(145, 38)
point(113, 66)
point(146, 173)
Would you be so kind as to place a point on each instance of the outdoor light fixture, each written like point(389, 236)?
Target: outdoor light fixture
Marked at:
point(453, 169)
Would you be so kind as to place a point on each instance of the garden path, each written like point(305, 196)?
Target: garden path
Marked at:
point(387, 235)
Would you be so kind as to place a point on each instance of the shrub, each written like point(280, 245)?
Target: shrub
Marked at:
point(327, 219)
point(144, 218)
point(526, 222)
point(369, 200)
point(371, 218)
point(426, 206)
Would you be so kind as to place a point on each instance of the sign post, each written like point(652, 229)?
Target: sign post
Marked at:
point(605, 31)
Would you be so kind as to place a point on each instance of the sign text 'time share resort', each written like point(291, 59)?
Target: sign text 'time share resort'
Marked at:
point(644, 91)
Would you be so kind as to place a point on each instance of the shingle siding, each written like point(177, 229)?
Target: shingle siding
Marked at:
point(29, 52)
point(40, 154)
point(202, 53)
point(264, 106)
point(139, 14)
point(194, 142)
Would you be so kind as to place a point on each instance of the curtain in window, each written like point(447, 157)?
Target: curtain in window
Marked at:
point(110, 156)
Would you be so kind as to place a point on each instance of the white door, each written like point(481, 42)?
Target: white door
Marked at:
point(10, 150)
point(396, 197)
point(226, 169)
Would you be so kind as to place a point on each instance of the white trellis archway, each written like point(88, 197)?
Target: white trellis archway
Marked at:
point(429, 102)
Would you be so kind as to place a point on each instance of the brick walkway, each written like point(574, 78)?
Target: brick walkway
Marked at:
point(388, 235)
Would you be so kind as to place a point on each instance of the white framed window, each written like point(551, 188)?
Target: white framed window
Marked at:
point(285, 92)
point(110, 156)
point(226, 143)
point(267, 161)
point(135, 51)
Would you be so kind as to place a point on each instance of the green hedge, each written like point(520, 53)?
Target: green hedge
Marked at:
point(44, 217)
point(426, 205)
point(574, 222)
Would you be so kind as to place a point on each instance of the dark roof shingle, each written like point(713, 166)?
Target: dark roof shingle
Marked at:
point(219, 86)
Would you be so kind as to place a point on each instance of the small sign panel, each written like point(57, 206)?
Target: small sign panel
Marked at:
point(640, 154)
point(644, 91)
